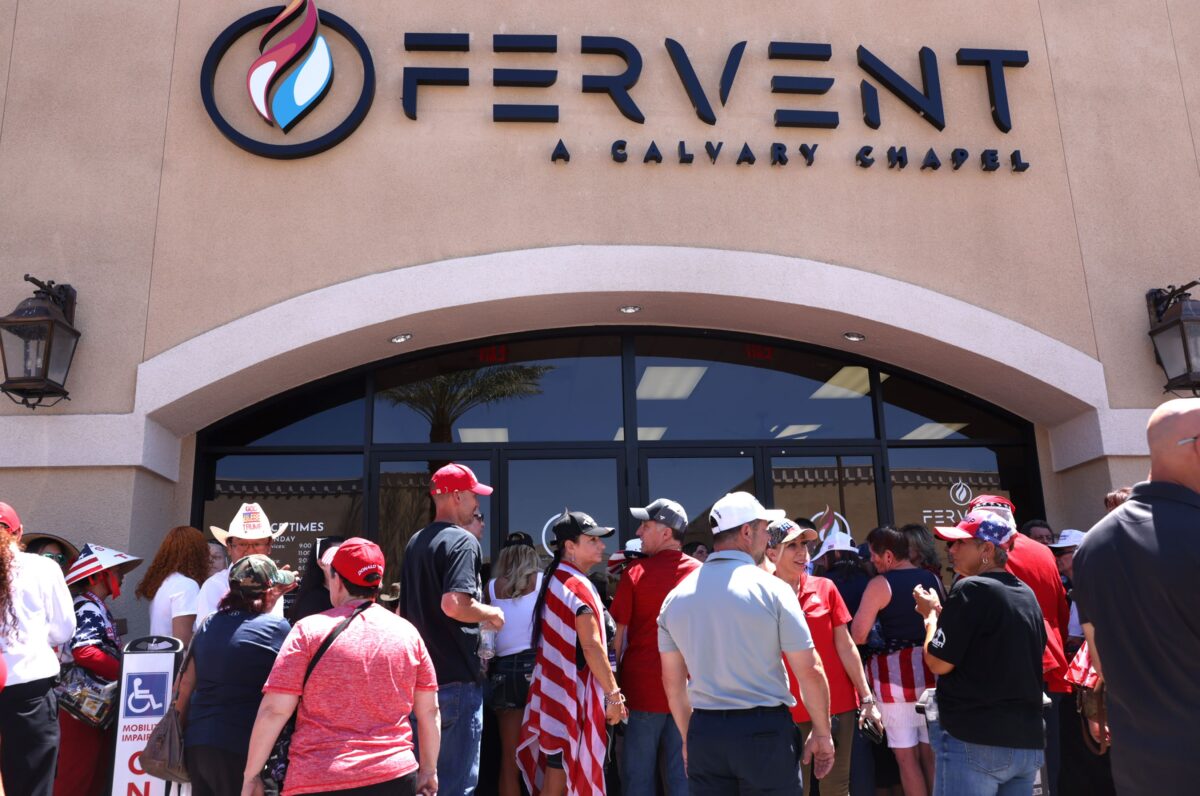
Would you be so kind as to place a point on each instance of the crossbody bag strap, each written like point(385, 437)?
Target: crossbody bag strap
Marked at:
point(187, 656)
point(329, 640)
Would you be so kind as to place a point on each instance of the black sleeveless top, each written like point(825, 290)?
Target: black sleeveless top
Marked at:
point(899, 620)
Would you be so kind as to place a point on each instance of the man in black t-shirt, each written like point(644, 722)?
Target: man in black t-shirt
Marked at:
point(1137, 585)
point(440, 594)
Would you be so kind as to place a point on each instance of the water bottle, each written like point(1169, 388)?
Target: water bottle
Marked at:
point(487, 644)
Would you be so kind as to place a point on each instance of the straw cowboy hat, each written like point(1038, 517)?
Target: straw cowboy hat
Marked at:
point(249, 523)
point(93, 559)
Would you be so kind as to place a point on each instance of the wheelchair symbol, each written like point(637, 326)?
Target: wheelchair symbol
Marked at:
point(146, 695)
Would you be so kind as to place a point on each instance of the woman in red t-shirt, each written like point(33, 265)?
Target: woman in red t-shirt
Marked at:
point(829, 622)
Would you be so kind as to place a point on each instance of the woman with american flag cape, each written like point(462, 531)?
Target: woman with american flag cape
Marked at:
point(574, 691)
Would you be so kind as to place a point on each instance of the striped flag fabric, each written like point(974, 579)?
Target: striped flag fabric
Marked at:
point(1081, 672)
point(565, 711)
point(900, 676)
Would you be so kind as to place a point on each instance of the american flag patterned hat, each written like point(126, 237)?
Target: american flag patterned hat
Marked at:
point(93, 558)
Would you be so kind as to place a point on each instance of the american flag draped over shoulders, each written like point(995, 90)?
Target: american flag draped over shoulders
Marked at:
point(565, 711)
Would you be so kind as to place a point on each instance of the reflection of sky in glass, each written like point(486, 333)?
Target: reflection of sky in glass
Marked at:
point(541, 488)
point(965, 459)
point(339, 425)
point(293, 468)
point(916, 411)
point(742, 402)
point(580, 400)
point(699, 483)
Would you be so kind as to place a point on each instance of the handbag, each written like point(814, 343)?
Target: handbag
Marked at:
point(277, 762)
point(163, 755)
point(87, 697)
point(1090, 704)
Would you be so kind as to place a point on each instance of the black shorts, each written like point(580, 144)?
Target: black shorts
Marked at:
point(508, 680)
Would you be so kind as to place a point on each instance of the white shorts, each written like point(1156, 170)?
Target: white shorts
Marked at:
point(904, 725)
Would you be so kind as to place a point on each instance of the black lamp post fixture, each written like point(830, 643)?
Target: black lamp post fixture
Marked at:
point(37, 342)
point(1175, 332)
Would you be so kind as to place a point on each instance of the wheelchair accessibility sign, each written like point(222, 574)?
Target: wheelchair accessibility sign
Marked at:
point(146, 694)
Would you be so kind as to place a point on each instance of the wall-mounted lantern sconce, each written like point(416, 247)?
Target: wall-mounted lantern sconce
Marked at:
point(1175, 332)
point(37, 342)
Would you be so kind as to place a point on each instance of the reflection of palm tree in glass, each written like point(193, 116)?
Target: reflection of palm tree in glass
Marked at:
point(444, 399)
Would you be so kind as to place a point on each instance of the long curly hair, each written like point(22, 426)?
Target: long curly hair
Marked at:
point(183, 550)
point(8, 619)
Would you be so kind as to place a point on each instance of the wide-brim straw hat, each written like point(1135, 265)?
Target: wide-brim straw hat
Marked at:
point(249, 523)
point(28, 539)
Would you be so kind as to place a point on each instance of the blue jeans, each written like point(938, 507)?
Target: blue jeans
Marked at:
point(974, 769)
point(645, 734)
point(461, 708)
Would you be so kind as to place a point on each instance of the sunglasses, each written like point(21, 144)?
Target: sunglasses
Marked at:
point(478, 515)
point(61, 558)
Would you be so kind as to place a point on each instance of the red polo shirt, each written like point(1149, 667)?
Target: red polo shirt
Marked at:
point(825, 610)
point(639, 599)
point(1033, 563)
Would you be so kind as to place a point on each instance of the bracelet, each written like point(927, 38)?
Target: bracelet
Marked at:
point(867, 700)
point(615, 698)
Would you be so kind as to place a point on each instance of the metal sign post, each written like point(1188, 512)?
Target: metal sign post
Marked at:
point(147, 682)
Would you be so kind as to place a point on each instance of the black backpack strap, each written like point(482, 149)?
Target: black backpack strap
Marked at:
point(329, 640)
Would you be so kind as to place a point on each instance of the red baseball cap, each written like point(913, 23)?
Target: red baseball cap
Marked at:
point(359, 561)
point(984, 525)
point(457, 478)
point(8, 516)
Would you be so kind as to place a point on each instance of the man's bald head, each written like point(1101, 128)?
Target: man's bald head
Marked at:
point(1174, 454)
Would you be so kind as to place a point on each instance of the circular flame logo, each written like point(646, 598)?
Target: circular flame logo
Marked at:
point(960, 493)
point(291, 76)
point(307, 84)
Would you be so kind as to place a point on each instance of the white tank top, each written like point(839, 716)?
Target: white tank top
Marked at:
point(518, 619)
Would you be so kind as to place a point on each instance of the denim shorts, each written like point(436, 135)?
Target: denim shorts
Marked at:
point(508, 680)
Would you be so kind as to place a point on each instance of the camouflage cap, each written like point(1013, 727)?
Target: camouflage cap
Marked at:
point(257, 573)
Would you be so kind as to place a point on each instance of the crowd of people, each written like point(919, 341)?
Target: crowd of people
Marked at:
point(778, 657)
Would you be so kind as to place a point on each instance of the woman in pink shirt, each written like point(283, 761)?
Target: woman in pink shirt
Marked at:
point(352, 736)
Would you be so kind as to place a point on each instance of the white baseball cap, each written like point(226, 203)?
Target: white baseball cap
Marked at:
point(1068, 538)
point(737, 509)
point(836, 541)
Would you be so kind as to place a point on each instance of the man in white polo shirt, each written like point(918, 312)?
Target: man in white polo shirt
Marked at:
point(249, 533)
point(728, 626)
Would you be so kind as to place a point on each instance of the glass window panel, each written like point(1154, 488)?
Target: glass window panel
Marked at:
point(539, 489)
point(566, 390)
point(805, 485)
point(316, 495)
point(698, 483)
point(406, 507)
point(917, 411)
point(934, 485)
point(702, 388)
point(331, 415)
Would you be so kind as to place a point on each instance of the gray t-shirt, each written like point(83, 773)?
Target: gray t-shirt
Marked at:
point(732, 621)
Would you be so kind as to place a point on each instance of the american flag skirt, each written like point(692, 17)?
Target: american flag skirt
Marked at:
point(900, 676)
point(565, 711)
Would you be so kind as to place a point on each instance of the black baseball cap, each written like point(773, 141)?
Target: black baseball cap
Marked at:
point(517, 538)
point(668, 512)
point(573, 524)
